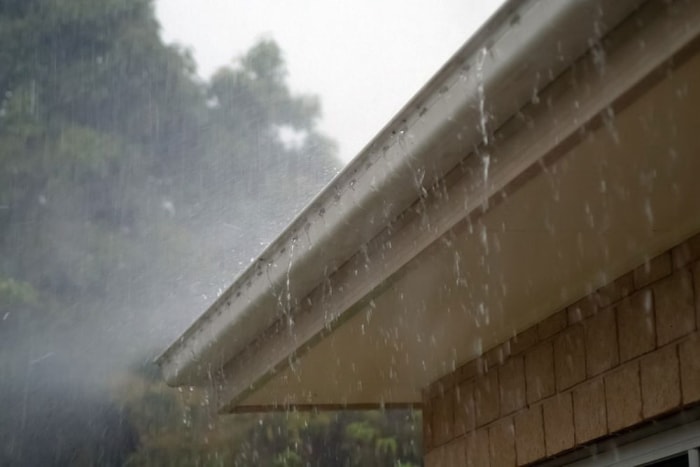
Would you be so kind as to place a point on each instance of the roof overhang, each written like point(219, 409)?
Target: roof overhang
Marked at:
point(479, 210)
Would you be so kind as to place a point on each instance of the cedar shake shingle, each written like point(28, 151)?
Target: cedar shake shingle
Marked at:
point(486, 398)
point(582, 309)
point(465, 416)
point(511, 377)
point(552, 325)
point(623, 398)
point(539, 372)
point(660, 380)
point(689, 354)
point(637, 327)
point(569, 357)
point(675, 310)
point(529, 435)
point(653, 270)
point(686, 252)
point(601, 342)
point(502, 443)
point(558, 417)
point(476, 447)
point(443, 418)
point(589, 411)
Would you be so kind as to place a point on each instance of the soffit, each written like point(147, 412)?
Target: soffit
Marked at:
point(626, 191)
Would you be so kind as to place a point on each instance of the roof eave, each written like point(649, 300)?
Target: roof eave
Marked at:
point(522, 48)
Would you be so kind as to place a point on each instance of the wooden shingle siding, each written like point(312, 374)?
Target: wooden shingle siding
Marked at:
point(626, 354)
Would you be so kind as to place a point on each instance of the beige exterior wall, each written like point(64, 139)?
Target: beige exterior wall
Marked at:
point(627, 353)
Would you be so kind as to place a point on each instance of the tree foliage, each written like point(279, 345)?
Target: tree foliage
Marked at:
point(195, 435)
point(130, 191)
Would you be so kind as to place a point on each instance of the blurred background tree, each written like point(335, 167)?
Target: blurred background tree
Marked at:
point(131, 192)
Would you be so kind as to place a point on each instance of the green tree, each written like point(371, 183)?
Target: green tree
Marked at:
point(130, 188)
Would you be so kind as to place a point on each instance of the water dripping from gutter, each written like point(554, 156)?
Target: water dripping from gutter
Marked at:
point(287, 308)
point(483, 115)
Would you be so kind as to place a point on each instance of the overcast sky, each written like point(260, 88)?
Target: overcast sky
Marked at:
point(364, 58)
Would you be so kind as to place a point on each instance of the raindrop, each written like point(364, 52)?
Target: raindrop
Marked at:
point(418, 177)
point(463, 75)
point(483, 236)
point(486, 162)
point(648, 211)
point(599, 57)
point(483, 117)
point(682, 91)
point(478, 346)
point(560, 51)
point(609, 121)
point(535, 99)
point(673, 154)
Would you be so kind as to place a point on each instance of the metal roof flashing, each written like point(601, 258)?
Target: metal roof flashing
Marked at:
point(522, 48)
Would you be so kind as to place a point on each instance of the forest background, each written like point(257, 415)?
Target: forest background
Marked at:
point(131, 193)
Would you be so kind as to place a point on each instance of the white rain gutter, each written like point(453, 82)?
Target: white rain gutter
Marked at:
point(521, 49)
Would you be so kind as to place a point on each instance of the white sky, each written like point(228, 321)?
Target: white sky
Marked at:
point(364, 58)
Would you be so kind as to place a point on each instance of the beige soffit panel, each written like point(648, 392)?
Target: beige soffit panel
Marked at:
point(597, 211)
point(586, 202)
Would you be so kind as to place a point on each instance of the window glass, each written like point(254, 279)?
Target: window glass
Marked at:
point(680, 460)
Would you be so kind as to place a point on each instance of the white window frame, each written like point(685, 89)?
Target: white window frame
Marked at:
point(654, 448)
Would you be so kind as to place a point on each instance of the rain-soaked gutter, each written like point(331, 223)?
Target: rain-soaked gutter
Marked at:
point(524, 46)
